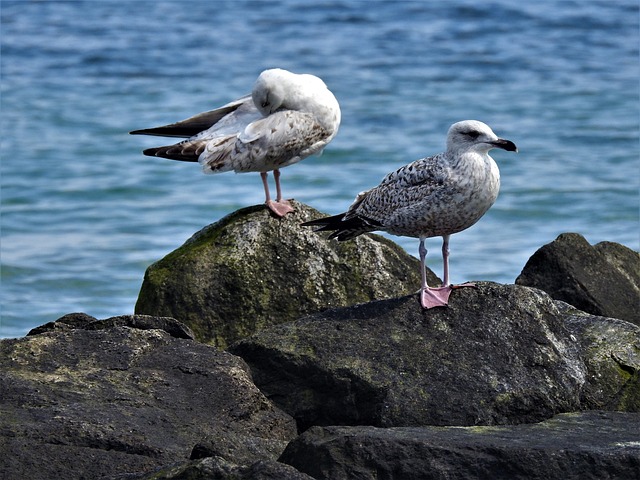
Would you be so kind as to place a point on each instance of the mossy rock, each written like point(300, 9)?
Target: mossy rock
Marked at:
point(250, 271)
point(498, 354)
point(611, 352)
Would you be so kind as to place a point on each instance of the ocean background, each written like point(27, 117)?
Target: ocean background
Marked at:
point(84, 212)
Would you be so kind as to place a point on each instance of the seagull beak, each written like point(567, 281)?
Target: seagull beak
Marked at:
point(507, 145)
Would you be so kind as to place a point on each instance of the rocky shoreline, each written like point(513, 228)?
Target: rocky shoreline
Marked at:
point(256, 352)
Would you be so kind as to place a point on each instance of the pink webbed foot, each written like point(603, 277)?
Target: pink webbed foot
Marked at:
point(280, 208)
point(439, 297)
point(435, 297)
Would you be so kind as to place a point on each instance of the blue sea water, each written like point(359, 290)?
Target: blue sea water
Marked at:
point(84, 212)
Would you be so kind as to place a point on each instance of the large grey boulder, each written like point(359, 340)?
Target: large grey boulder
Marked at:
point(603, 279)
point(90, 399)
point(575, 446)
point(249, 271)
point(499, 354)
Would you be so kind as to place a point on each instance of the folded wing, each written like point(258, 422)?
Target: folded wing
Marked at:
point(194, 125)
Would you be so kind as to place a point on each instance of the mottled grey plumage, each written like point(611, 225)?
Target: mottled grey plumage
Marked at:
point(435, 196)
point(286, 118)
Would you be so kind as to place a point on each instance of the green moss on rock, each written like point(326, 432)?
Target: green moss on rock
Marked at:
point(250, 271)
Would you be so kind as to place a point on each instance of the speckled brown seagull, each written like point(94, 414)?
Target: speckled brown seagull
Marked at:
point(435, 196)
point(286, 118)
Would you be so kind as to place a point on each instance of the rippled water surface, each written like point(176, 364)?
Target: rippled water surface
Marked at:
point(84, 213)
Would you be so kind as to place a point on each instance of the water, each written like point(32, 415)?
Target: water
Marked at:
point(84, 213)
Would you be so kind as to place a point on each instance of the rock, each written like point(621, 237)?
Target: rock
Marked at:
point(611, 352)
point(217, 468)
point(250, 271)
point(66, 322)
point(142, 322)
point(574, 446)
point(499, 354)
point(89, 402)
point(603, 279)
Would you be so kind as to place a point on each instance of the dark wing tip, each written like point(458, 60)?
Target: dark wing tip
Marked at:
point(314, 223)
point(193, 125)
point(152, 152)
point(340, 229)
point(329, 222)
point(172, 152)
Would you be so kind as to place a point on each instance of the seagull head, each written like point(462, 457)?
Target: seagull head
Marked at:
point(278, 89)
point(475, 136)
point(269, 90)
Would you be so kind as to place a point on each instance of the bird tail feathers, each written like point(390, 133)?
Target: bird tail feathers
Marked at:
point(342, 228)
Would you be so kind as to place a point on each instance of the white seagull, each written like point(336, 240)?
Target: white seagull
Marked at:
point(286, 118)
point(435, 196)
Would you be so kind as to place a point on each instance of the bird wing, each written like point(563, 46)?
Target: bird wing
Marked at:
point(276, 141)
point(228, 122)
point(394, 200)
point(196, 124)
point(409, 185)
point(190, 150)
point(426, 171)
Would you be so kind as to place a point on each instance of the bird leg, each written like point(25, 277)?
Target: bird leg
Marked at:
point(437, 297)
point(284, 203)
point(279, 207)
point(445, 262)
point(429, 296)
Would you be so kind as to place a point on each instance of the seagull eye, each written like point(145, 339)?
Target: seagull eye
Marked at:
point(472, 134)
point(265, 102)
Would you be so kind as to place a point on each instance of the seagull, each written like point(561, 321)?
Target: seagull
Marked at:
point(434, 196)
point(286, 118)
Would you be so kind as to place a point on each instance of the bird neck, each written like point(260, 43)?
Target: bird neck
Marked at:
point(477, 165)
point(468, 159)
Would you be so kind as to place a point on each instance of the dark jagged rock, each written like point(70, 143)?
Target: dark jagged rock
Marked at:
point(217, 468)
point(577, 446)
point(499, 354)
point(135, 397)
point(145, 322)
point(249, 271)
point(142, 322)
point(112, 399)
point(603, 279)
point(66, 322)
